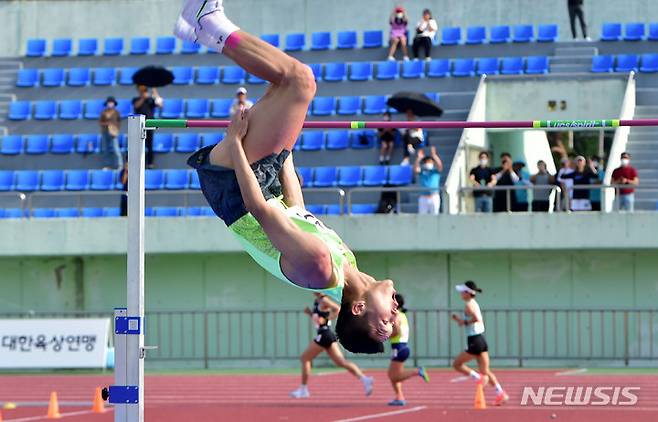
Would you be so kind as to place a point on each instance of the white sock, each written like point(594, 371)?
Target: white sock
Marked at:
point(219, 28)
point(499, 389)
point(475, 376)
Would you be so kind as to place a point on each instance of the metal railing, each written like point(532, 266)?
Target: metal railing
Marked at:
point(554, 192)
point(398, 190)
point(515, 335)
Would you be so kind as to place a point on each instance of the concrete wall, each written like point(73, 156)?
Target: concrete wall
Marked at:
point(23, 19)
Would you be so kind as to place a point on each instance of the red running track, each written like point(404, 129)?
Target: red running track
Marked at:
point(335, 397)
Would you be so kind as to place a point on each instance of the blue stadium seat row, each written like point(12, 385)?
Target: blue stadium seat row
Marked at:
point(352, 176)
point(499, 34)
point(633, 31)
point(63, 47)
point(646, 63)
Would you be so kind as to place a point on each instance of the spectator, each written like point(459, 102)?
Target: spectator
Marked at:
point(576, 11)
point(595, 194)
point(110, 123)
point(146, 103)
point(482, 176)
point(566, 168)
point(524, 180)
point(504, 200)
point(626, 175)
point(386, 141)
point(541, 197)
point(398, 22)
point(425, 32)
point(240, 101)
point(124, 188)
point(581, 176)
point(412, 138)
point(428, 170)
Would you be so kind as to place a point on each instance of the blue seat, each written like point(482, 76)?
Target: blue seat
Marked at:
point(451, 36)
point(52, 77)
point(166, 212)
point(649, 63)
point(52, 180)
point(12, 145)
point(312, 140)
point(476, 35)
point(374, 175)
point(19, 110)
point(172, 108)
point(93, 109)
point(332, 209)
point(233, 75)
point(211, 138)
point(61, 47)
point(87, 143)
point(627, 63)
point(512, 66)
point(602, 64)
point(536, 65)
point(123, 143)
point(27, 78)
point(346, 40)
point(221, 107)
point(87, 46)
point(324, 106)
point(316, 68)
point(547, 33)
point(78, 76)
point(15, 213)
point(634, 31)
point(6, 180)
point(111, 212)
point(197, 108)
point(306, 174)
point(653, 32)
point(165, 45)
point(190, 47)
point(255, 80)
point(67, 212)
point(36, 47)
point(163, 142)
point(70, 109)
point(26, 180)
point(77, 180)
point(499, 34)
point(195, 183)
point(104, 76)
point(183, 75)
point(611, 32)
point(335, 72)
point(207, 75)
point(154, 179)
point(349, 105)
point(101, 179)
point(325, 177)
point(187, 142)
point(315, 209)
point(373, 39)
point(321, 40)
point(387, 70)
point(349, 176)
point(271, 39)
point(360, 71)
point(43, 213)
point(463, 67)
point(295, 41)
point(488, 66)
point(413, 69)
point(92, 212)
point(177, 179)
point(139, 46)
point(438, 68)
point(45, 110)
point(374, 104)
point(113, 46)
point(62, 144)
point(400, 175)
point(363, 209)
point(194, 212)
point(363, 139)
point(126, 77)
point(338, 139)
point(523, 33)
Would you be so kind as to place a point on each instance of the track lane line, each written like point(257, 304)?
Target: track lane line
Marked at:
point(63, 415)
point(382, 415)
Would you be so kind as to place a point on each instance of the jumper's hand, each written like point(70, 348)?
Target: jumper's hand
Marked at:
point(239, 125)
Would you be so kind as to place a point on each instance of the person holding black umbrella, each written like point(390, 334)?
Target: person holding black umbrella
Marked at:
point(146, 103)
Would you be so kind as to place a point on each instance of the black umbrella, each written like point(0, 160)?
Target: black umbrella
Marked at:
point(153, 76)
point(419, 103)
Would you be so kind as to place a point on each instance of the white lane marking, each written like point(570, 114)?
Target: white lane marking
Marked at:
point(63, 415)
point(460, 379)
point(571, 372)
point(384, 414)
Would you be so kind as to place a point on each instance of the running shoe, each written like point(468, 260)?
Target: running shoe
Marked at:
point(367, 384)
point(397, 402)
point(501, 398)
point(301, 393)
point(194, 10)
point(422, 372)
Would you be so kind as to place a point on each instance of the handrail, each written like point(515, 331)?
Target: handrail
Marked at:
point(508, 199)
point(398, 190)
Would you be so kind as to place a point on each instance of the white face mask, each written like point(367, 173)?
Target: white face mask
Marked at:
point(399, 15)
point(625, 162)
point(484, 162)
point(428, 166)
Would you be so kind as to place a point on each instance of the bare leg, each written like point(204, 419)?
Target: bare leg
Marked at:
point(483, 364)
point(403, 43)
point(394, 46)
point(292, 190)
point(337, 357)
point(311, 352)
point(460, 363)
point(397, 373)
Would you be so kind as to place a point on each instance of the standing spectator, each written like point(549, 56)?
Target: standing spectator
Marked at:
point(576, 11)
point(146, 103)
point(541, 197)
point(398, 22)
point(566, 168)
point(595, 194)
point(412, 138)
point(386, 141)
point(110, 123)
point(504, 200)
point(124, 188)
point(581, 176)
point(626, 175)
point(524, 180)
point(428, 170)
point(240, 101)
point(425, 32)
point(482, 176)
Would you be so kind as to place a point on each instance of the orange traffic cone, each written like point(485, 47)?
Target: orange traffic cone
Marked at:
point(0, 416)
point(53, 407)
point(99, 406)
point(480, 402)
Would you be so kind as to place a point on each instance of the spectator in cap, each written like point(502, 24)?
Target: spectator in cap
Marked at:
point(398, 22)
point(626, 175)
point(110, 123)
point(425, 32)
point(582, 175)
point(240, 101)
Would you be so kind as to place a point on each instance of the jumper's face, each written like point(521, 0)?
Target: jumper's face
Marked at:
point(382, 309)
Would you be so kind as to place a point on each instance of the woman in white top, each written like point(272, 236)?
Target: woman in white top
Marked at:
point(425, 33)
point(477, 344)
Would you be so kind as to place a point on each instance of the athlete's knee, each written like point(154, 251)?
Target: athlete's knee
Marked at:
point(300, 77)
point(456, 364)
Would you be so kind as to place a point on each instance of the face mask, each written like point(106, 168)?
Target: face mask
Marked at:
point(625, 162)
point(595, 164)
point(428, 166)
point(484, 162)
point(399, 15)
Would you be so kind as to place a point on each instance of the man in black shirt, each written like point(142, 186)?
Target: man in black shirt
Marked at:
point(145, 104)
point(505, 200)
point(481, 177)
point(583, 175)
point(576, 11)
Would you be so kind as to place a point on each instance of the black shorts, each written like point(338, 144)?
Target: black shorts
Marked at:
point(400, 352)
point(220, 184)
point(476, 344)
point(325, 337)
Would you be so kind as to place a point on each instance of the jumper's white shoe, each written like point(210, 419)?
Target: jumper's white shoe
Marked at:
point(211, 26)
point(184, 31)
point(301, 393)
